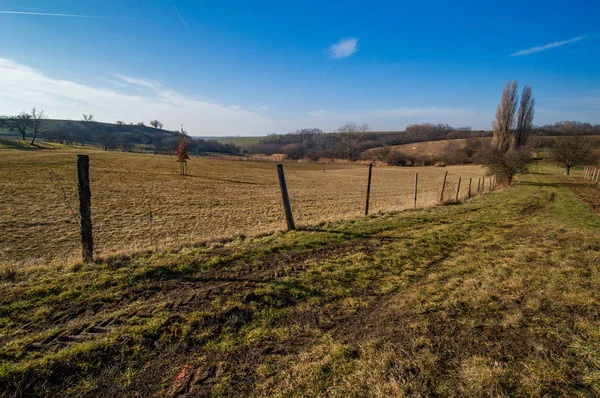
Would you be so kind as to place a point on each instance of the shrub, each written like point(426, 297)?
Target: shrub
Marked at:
point(396, 158)
point(505, 165)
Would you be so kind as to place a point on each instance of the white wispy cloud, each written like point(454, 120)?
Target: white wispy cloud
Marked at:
point(143, 83)
point(133, 99)
point(343, 48)
point(22, 88)
point(548, 46)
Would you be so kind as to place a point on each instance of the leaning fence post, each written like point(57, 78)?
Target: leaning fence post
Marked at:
point(585, 170)
point(416, 185)
point(478, 184)
point(469, 196)
point(368, 189)
point(482, 184)
point(286, 199)
point(443, 187)
point(457, 189)
point(85, 207)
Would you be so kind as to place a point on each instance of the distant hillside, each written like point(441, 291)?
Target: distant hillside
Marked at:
point(88, 132)
point(453, 151)
point(123, 136)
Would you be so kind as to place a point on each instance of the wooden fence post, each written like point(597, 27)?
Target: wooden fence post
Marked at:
point(443, 187)
point(457, 189)
point(597, 175)
point(482, 184)
point(85, 207)
point(286, 199)
point(469, 197)
point(585, 170)
point(368, 189)
point(416, 185)
point(478, 184)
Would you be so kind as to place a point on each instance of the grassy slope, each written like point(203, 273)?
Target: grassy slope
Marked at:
point(11, 143)
point(498, 296)
point(242, 142)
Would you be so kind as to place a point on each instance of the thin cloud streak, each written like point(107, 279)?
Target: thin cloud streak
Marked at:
point(545, 47)
point(181, 18)
point(51, 14)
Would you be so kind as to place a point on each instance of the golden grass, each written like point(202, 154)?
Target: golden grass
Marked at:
point(140, 202)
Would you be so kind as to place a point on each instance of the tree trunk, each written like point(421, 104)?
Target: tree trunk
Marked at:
point(33, 139)
point(568, 169)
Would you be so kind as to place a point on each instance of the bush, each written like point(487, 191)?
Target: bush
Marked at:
point(396, 158)
point(294, 151)
point(505, 165)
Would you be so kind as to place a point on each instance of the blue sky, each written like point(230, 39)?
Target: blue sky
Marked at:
point(253, 68)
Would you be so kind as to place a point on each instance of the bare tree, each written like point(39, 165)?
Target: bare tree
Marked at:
point(156, 124)
point(525, 116)
point(505, 117)
point(87, 118)
point(351, 127)
point(120, 123)
point(38, 123)
point(350, 139)
point(19, 124)
point(571, 151)
point(107, 139)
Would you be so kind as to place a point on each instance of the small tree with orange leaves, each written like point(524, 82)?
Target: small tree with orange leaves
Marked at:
point(182, 155)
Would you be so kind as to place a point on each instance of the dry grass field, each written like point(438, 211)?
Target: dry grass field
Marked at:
point(495, 297)
point(140, 202)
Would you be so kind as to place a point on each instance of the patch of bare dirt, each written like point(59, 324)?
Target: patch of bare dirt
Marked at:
point(584, 190)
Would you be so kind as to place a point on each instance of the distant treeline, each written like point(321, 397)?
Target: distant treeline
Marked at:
point(314, 143)
point(567, 127)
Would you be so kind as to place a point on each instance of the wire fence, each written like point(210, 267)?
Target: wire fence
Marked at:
point(140, 202)
point(592, 174)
